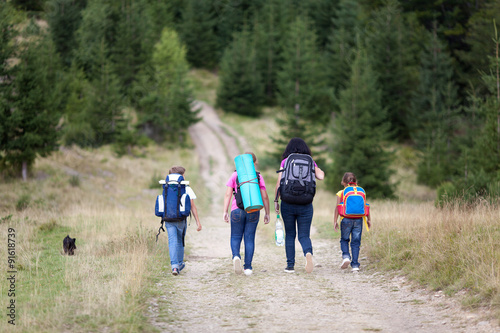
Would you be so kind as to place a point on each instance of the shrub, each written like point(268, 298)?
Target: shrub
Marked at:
point(23, 202)
point(74, 181)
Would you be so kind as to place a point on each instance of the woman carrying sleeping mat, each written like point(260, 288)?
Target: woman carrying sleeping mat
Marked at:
point(243, 224)
point(299, 173)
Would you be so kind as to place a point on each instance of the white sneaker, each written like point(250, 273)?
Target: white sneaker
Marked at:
point(248, 272)
point(309, 262)
point(237, 265)
point(345, 263)
point(355, 269)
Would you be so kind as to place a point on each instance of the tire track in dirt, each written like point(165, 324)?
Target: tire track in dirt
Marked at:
point(209, 297)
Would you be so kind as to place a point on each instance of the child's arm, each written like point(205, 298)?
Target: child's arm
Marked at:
point(336, 215)
point(195, 213)
point(368, 220)
point(265, 200)
point(227, 200)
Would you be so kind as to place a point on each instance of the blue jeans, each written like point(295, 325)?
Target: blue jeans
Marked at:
point(176, 233)
point(243, 226)
point(351, 229)
point(296, 218)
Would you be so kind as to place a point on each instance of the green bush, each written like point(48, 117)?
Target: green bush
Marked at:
point(446, 193)
point(23, 202)
point(74, 181)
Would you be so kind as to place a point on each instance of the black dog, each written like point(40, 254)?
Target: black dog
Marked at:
point(69, 245)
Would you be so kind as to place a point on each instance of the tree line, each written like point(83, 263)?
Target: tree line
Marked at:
point(374, 74)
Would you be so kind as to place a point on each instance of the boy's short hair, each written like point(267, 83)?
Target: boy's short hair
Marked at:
point(177, 169)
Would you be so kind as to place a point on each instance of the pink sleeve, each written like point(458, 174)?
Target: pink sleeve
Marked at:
point(232, 183)
point(232, 180)
point(262, 184)
point(282, 165)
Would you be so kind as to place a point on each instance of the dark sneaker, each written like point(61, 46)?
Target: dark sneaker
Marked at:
point(181, 267)
point(289, 269)
point(175, 271)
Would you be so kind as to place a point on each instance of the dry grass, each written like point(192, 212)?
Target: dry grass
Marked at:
point(204, 85)
point(450, 249)
point(110, 212)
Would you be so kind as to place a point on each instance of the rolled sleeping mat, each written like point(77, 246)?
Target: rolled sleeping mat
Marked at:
point(249, 184)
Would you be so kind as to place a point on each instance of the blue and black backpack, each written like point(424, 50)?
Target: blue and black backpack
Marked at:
point(174, 204)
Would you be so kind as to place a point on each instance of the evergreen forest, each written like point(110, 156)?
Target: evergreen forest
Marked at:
point(372, 75)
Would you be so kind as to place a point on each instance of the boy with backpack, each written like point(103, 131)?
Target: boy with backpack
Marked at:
point(174, 206)
point(352, 206)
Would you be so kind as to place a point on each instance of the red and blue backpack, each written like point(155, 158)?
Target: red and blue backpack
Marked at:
point(353, 203)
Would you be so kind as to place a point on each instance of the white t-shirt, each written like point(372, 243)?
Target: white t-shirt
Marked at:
point(190, 192)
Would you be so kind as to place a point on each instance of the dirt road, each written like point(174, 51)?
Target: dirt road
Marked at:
point(209, 297)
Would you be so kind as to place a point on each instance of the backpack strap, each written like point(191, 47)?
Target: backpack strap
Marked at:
point(159, 230)
point(164, 206)
point(301, 179)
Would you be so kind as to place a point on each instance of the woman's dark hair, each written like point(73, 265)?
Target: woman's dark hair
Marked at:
point(298, 146)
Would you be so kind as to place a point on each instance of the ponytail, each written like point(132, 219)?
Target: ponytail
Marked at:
point(349, 178)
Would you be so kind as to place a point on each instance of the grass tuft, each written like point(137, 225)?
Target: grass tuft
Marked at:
point(23, 202)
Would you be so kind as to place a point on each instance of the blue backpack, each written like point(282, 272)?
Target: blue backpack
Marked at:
point(174, 204)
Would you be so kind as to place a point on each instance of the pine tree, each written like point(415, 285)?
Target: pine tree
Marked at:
point(231, 17)
point(240, 89)
point(64, 18)
point(269, 30)
point(478, 39)
point(341, 48)
point(302, 95)
point(322, 13)
point(98, 25)
point(31, 113)
point(197, 31)
point(486, 152)
point(7, 35)
point(434, 112)
point(163, 93)
point(388, 39)
point(77, 114)
point(157, 15)
point(360, 132)
point(105, 101)
point(127, 55)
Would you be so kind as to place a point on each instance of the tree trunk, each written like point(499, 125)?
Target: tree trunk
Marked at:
point(25, 171)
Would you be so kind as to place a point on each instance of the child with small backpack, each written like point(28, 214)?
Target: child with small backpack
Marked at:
point(352, 206)
point(174, 206)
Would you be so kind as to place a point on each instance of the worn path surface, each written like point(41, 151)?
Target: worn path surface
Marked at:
point(209, 297)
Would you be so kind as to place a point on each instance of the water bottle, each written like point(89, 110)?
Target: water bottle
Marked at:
point(279, 233)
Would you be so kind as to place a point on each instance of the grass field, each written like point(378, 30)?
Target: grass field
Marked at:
point(107, 204)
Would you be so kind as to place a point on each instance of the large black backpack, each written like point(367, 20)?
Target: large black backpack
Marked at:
point(298, 180)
